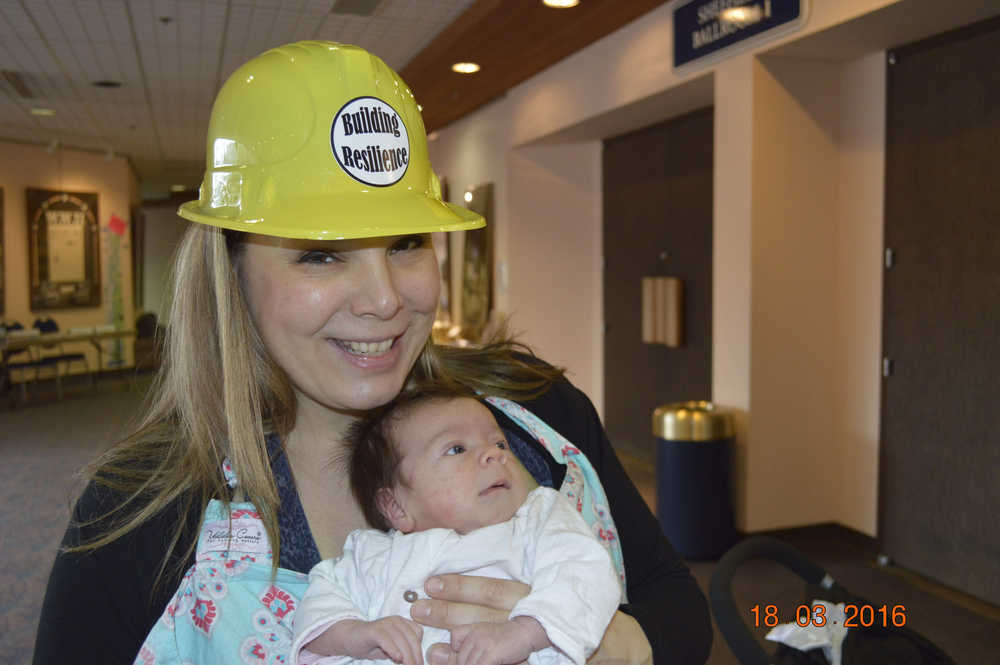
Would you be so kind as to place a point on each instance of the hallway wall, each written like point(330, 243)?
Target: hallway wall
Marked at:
point(797, 241)
point(23, 166)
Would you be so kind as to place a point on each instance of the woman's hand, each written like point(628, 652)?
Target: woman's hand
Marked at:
point(457, 600)
point(460, 599)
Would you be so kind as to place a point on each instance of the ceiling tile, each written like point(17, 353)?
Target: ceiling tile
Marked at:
point(171, 57)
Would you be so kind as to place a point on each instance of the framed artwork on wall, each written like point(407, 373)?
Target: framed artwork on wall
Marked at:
point(64, 251)
point(2, 285)
point(477, 265)
point(441, 241)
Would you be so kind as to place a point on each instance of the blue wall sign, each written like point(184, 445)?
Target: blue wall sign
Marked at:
point(704, 27)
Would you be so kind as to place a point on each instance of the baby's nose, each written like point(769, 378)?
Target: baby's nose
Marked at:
point(495, 455)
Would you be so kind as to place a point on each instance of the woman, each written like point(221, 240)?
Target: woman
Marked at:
point(304, 295)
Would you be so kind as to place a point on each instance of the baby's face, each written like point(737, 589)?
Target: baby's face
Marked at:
point(457, 470)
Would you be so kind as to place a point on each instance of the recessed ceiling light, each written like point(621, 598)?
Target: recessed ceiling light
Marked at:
point(44, 112)
point(468, 197)
point(105, 83)
point(177, 188)
point(560, 4)
point(465, 67)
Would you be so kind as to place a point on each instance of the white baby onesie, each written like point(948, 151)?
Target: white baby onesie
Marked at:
point(547, 545)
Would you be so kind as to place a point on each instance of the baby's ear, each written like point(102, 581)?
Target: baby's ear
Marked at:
point(393, 511)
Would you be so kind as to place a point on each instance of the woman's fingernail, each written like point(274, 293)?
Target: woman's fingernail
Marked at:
point(434, 585)
point(420, 609)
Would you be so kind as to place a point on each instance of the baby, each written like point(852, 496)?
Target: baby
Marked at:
point(434, 473)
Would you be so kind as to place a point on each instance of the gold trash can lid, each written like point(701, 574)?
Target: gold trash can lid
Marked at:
point(692, 421)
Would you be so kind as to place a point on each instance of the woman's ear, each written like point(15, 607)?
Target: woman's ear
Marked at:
point(393, 511)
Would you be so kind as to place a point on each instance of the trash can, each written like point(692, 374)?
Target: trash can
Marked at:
point(693, 496)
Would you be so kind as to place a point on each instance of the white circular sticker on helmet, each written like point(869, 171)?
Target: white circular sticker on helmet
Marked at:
point(370, 141)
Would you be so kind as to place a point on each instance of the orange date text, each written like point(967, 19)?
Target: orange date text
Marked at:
point(855, 616)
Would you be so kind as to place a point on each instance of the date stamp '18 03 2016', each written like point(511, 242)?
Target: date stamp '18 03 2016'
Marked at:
point(855, 616)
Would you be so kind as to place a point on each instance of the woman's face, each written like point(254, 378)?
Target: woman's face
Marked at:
point(345, 319)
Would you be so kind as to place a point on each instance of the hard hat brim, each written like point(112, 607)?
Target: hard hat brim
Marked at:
point(340, 218)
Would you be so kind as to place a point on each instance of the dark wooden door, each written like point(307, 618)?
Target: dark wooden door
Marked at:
point(657, 222)
point(939, 475)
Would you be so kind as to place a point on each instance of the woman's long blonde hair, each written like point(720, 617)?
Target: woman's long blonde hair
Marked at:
point(218, 394)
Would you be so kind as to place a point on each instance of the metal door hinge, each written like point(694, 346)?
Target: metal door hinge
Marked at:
point(886, 367)
point(890, 257)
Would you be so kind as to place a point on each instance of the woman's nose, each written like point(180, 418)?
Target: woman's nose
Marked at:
point(377, 293)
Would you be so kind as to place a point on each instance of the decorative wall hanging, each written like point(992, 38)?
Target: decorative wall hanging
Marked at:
point(442, 243)
point(477, 265)
point(2, 286)
point(114, 289)
point(64, 249)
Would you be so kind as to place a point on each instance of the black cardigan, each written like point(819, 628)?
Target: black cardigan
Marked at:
point(100, 606)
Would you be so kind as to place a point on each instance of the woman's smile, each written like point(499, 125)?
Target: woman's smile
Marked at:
point(370, 355)
point(367, 349)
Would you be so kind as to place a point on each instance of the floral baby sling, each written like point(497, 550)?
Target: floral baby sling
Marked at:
point(229, 608)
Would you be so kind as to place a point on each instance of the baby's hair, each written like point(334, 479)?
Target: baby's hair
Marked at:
point(374, 457)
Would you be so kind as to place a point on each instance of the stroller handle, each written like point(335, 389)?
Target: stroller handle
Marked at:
point(737, 633)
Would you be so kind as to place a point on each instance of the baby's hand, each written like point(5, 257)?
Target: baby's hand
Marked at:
point(395, 638)
point(503, 643)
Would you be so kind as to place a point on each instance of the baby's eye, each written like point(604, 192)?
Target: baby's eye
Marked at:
point(456, 450)
point(502, 445)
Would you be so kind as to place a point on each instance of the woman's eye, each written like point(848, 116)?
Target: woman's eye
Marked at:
point(408, 243)
point(502, 445)
point(455, 450)
point(318, 256)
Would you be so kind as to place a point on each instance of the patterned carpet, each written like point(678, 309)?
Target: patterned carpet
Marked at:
point(45, 441)
point(42, 444)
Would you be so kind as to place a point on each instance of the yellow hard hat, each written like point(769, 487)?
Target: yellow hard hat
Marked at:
point(324, 141)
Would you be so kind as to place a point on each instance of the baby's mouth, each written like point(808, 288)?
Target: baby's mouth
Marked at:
point(498, 485)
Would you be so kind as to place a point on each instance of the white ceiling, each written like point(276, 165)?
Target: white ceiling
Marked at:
point(169, 69)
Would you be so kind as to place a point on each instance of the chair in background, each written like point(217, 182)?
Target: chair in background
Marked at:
point(32, 362)
point(62, 359)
